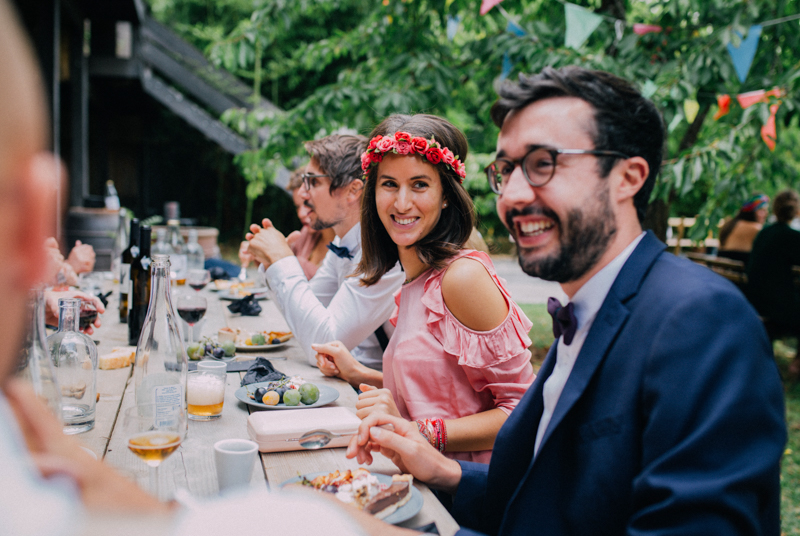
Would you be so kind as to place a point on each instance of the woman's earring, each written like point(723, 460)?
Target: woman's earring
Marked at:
point(444, 205)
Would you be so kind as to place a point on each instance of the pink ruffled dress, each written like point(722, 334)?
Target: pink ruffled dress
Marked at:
point(438, 368)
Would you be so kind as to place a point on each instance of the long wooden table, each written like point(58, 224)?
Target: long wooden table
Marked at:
point(192, 466)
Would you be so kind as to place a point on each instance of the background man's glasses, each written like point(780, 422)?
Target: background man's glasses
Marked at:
point(538, 166)
point(310, 179)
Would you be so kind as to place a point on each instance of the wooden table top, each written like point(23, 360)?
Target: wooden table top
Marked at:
point(192, 466)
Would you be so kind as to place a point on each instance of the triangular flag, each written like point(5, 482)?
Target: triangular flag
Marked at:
point(641, 29)
point(514, 28)
point(724, 105)
point(690, 109)
point(743, 55)
point(452, 26)
point(486, 5)
point(768, 132)
point(619, 29)
point(507, 66)
point(580, 25)
point(746, 100)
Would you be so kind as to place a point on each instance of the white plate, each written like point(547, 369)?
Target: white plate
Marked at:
point(404, 513)
point(226, 295)
point(262, 347)
point(326, 396)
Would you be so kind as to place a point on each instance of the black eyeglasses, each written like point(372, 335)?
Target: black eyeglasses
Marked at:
point(538, 166)
point(308, 177)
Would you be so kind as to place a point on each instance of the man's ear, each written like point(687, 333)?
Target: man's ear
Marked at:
point(355, 189)
point(36, 205)
point(634, 172)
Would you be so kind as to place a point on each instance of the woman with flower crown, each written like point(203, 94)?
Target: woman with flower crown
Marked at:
point(458, 362)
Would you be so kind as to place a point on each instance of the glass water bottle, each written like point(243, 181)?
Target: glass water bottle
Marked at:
point(196, 258)
point(36, 366)
point(75, 358)
point(161, 363)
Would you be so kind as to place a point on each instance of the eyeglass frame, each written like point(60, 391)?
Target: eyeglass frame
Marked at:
point(553, 153)
point(306, 177)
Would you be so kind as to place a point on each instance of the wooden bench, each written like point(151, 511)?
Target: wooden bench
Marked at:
point(728, 268)
point(676, 236)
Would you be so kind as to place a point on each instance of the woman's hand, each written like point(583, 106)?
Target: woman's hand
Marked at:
point(406, 447)
point(81, 258)
point(51, 298)
point(333, 359)
point(373, 400)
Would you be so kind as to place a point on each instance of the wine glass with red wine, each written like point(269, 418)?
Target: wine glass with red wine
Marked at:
point(191, 308)
point(88, 315)
point(198, 279)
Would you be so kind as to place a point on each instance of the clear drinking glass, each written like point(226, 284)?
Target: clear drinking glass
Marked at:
point(192, 308)
point(153, 435)
point(75, 358)
point(206, 394)
point(198, 279)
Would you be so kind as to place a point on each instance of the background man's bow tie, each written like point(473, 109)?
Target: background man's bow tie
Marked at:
point(341, 252)
point(564, 321)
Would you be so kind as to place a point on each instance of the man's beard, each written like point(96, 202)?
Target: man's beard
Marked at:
point(318, 224)
point(582, 241)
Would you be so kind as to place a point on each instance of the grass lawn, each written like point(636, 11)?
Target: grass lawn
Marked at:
point(542, 336)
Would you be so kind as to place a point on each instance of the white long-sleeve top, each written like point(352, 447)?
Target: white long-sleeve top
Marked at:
point(333, 305)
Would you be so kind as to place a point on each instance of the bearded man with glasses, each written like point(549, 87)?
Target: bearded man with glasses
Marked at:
point(331, 305)
point(659, 409)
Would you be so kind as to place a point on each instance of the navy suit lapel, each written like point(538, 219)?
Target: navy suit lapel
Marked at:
point(609, 321)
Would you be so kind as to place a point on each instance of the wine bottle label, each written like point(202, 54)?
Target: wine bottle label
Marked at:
point(124, 279)
point(169, 404)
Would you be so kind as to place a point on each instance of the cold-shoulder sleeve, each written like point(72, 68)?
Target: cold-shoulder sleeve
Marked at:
point(496, 360)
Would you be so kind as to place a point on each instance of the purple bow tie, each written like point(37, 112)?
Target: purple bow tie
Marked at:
point(340, 251)
point(564, 321)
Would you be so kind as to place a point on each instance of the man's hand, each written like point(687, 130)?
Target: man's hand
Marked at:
point(267, 245)
point(51, 298)
point(373, 400)
point(406, 447)
point(101, 487)
point(333, 359)
point(81, 258)
point(245, 257)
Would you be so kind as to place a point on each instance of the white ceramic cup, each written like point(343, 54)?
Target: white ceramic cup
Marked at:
point(213, 366)
point(234, 459)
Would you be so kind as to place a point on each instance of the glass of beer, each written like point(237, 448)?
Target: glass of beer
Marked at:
point(154, 432)
point(205, 393)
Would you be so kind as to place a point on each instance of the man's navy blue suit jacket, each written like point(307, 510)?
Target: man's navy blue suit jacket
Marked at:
point(671, 421)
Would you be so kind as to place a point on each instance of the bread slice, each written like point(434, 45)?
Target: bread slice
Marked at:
point(119, 357)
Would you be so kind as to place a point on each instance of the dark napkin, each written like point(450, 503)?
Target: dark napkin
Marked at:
point(262, 371)
point(218, 272)
point(104, 297)
point(247, 306)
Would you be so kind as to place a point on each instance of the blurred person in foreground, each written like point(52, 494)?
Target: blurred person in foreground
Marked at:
point(308, 244)
point(659, 409)
point(771, 284)
point(332, 305)
point(50, 486)
point(737, 235)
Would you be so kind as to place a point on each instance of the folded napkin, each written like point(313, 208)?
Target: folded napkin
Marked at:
point(247, 306)
point(262, 371)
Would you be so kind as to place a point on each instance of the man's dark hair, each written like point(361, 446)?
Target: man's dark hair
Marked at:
point(339, 157)
point(785, 206)
point(379, 253)
point(625, 121)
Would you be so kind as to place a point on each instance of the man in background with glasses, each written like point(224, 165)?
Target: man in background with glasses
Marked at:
point(659, 409)
point(331, 306)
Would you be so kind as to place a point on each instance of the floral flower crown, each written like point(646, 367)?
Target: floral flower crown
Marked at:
point(402, 143)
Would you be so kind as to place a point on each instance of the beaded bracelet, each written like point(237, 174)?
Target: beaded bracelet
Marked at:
point(435, 432)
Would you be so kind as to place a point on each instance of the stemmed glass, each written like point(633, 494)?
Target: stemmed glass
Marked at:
point(198, 279)
point(191, 308)
point(153, 433)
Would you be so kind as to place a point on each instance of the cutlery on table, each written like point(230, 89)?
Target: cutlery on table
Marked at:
point(316, 439)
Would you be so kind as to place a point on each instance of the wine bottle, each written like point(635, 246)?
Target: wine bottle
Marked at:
point(125, 270)
point(139, 295)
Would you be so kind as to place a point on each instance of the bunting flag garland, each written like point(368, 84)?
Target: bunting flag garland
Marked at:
point(507, 66)
point(724, 105)
point(642, 29)
point(487, 5)
point(514, 28)
point(746, 100)
point(690, 109)
point(452, 26)
point(768, 132)
point(580, 25)
point(742, 56)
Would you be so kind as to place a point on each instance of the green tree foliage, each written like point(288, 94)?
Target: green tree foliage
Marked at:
point(333, 64)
